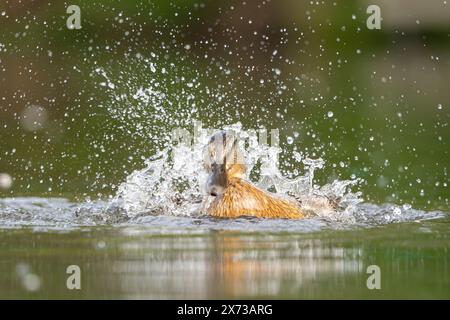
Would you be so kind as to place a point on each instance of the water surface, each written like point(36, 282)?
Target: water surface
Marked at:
point(158, 257)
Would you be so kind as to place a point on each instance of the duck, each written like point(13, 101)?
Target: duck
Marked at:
point(235, 196)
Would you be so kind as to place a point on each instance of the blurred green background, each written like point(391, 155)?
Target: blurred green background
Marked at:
point(373, 104)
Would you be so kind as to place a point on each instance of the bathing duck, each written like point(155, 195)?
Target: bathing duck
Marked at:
point(234, 196)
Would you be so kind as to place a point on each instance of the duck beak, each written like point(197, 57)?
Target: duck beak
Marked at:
point(217, 181)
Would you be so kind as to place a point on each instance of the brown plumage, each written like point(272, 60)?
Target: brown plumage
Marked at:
point(241, 198)
point(234, 196)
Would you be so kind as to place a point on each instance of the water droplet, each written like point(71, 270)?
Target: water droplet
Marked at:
point(34, 118)
point(6, 181)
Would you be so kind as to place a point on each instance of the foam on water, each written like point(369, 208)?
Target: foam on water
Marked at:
point(58, 214)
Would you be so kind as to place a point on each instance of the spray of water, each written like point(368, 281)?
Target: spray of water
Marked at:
point(172, 181)
point(169, 189)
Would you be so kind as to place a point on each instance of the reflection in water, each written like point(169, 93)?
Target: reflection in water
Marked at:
point(250, 267)
point(227, 265)
point(137, 262)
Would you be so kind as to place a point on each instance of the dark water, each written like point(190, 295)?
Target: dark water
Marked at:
point(184, 257)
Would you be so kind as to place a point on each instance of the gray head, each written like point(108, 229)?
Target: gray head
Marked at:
point(223, 160)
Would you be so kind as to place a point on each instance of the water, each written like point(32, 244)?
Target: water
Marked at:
point(151, 242)
point(186, 257)
point(91, 175)
point(153, 239)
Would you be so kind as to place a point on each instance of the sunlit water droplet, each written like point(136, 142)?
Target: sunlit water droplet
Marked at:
point(6, 181)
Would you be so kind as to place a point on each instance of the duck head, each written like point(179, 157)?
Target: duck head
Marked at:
point(223, 160)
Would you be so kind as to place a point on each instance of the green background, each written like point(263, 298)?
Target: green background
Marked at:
point(387, 89)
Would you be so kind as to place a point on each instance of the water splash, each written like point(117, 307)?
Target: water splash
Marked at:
point(168, 191)
point(167, 197)
point(172, 182)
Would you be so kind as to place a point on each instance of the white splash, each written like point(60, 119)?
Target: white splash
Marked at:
point(172, 182)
